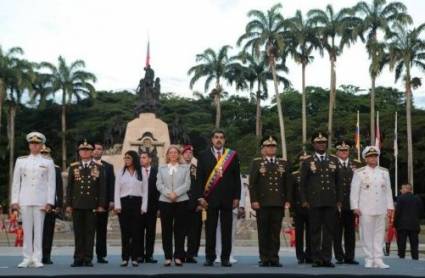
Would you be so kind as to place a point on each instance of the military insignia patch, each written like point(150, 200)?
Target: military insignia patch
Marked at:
point(95, 172)
point(262, 168)
point(313, 167)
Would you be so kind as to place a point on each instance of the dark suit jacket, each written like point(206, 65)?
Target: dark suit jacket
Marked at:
point(408, 211)
point(110, 181)
point(319, 182)
point(153, 193)
point(228, 189)
point(345, 175)
point(59, 188)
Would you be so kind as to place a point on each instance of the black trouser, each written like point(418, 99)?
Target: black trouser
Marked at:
point(194, 233)
point(269, 223)
point(345, 226)
point(302, 233)
point(48, 232)
point(101, 231)
point(226, 217)
point(414, 243)
point(173, 222)
point(130, 219)
point(322, 224)
point(148, 232)
point(84, 221)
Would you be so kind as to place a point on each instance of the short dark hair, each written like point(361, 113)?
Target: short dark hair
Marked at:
point(100, 143)
point(217, 131)
point(147, 153)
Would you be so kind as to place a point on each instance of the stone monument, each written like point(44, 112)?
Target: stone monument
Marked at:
point(146, 132)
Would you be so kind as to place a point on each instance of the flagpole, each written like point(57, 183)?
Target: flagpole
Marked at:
point(378, 135)
point(358, 136)
point(396, 156)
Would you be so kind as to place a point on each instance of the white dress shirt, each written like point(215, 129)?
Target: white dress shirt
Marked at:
point(34, 181)
point(128, 185)
point(344, 161)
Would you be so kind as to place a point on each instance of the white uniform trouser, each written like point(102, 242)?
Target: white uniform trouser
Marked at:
point(372, 235)
point(32, 223)
point(218, 233)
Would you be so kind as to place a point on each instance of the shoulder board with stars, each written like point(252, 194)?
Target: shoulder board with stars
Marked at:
point(295, 172)
point(74, 164)
point(258, 158)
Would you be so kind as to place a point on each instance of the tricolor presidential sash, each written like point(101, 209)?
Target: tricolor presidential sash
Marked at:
point(218, 171)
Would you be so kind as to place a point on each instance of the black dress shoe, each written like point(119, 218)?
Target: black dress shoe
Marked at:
point(275, 264)
point(339, 261)
point(140, 260)
point(149, 261)
point(46, 261)
point(351, 262)
point(328, 264)
point(102, 261)
point(209, 263)
point(89, 264)
point(263, 264)
point(191, 260)
point(77, 264)
point(226, 263)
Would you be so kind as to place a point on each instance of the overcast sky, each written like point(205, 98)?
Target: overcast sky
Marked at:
point(111, 36)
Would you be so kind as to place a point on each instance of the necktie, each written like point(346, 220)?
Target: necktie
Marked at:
point(322, 157)
point(344, 164)
point(147, 172)
point(218, 155)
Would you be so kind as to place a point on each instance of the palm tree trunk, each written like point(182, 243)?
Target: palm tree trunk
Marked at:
point(11, 138)
point(409, 126)
point(332, 98)
point(279, 111)
point(372, 112)
point(63, 120)
point(218, 105)
point(258, 113)
point(2, 94)
point(304, 107)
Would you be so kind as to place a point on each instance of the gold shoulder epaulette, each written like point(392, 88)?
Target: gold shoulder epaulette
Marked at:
point(74, 163)
point(332, 155)
point(295, 172)
point(258, 158)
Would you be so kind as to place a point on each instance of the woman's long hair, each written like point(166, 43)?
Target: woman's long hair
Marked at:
point(136, 163)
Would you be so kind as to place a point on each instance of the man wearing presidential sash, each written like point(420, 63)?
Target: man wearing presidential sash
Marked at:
point(270, 182)
point(219, 190)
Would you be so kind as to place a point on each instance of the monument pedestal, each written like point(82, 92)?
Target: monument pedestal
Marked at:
point(145, 133)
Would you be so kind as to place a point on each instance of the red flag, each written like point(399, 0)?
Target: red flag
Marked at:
point(148, 56)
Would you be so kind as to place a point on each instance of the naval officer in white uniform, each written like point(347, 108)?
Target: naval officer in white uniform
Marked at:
point(33, 193)
point(371, 199)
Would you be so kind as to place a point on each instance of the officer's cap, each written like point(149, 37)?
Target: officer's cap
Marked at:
point(370, 151)
point(343, 145)
point(269, 141)
point(85, 145)
point(319, 137)
point(36, 137)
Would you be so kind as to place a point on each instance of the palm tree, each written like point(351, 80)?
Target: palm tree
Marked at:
point(332, 25)
point(378, 16)
point(73, 82)
point(8, 60)
point(407, 50)
point(19, 81)
point(214, 66)
point(267, 29)
point(42, 89)
point(254, 71)
point(303, 40)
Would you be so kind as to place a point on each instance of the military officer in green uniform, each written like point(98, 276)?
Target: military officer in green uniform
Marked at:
point(320, 193)
point(269, 182)
point(301, 219)
point(345, 226)
point(86, 194)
